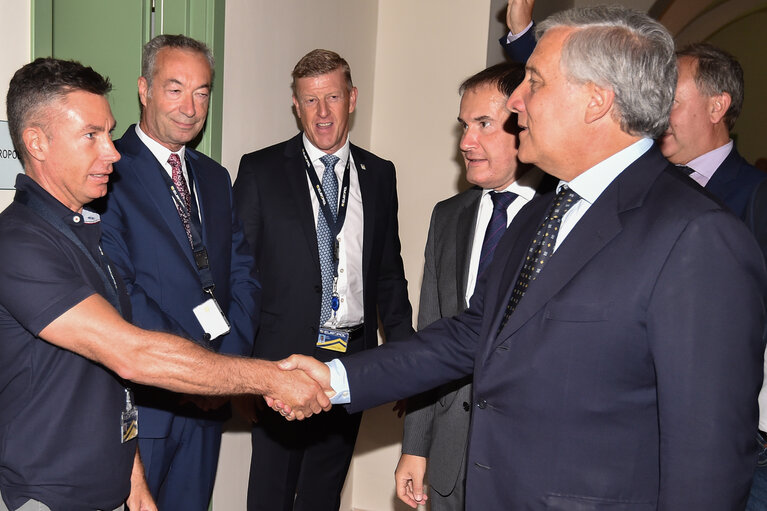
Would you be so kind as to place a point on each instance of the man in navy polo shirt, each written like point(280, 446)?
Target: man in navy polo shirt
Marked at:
point(67, 352)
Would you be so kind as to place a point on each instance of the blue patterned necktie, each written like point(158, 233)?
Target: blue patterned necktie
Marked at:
point(325, 240)
point(183, 190)
point(495, 228)
point(541, 248)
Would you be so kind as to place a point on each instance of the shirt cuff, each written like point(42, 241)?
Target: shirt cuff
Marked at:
point(510, 38)
point(339, 382)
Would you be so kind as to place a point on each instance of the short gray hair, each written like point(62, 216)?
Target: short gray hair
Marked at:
point(716, 71)
point(627, 51)
point(182, 42)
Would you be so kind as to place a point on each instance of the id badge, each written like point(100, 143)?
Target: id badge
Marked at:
point(332, 339)
point(128, 420)
point(211, 318)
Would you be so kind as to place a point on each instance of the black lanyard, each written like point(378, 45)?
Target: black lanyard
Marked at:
point(336, 224)
point(39, 207)
point(198, 248)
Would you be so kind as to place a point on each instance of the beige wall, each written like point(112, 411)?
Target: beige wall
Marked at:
point(14, 27)
point(407, 59)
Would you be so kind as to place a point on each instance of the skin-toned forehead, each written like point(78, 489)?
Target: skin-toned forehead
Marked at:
point(334, 81)
point(172, 60)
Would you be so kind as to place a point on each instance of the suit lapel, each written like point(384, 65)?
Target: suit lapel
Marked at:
point(367, 191)
point(295, 170)
point(148, 169)
point(592, 233)
point(464, 241)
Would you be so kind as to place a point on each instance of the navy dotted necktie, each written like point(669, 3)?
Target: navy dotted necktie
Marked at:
point(541, 248)
point(495, 229)
point(325, 241)
point(183, 190)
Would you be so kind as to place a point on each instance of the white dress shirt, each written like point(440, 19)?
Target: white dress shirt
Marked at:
point(524, 188)
point(351, 309)
point(162, 154)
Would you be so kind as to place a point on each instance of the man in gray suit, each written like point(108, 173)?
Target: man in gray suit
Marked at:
point(462, 235)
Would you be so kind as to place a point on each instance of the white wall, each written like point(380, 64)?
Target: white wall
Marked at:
point(14, 53)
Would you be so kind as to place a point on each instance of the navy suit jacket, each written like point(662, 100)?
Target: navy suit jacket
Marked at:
point(272, 196)
point(735, 182)
point(627, 377)
point(144, 237)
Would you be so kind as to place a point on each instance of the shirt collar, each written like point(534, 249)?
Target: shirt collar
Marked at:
point(525, 186)
point(706, 164)
point(315, 154)
point(28, 185)
point(590, 184)
point(159, 151)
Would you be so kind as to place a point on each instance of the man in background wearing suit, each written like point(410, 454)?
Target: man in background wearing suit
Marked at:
point(604, 335)
point(463, 233)
point(708, 101)
point(321, 217)
point(171, 230)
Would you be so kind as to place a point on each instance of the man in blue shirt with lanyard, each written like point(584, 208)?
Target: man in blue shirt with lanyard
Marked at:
point(68, 354)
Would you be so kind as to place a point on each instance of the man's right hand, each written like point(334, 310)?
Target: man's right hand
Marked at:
point(294, 390)
point(409, 479)
point(519, 14)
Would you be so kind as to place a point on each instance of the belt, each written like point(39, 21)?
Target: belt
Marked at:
point(356, 332)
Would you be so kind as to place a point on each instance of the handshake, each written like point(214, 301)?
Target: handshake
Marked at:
point(299, 388)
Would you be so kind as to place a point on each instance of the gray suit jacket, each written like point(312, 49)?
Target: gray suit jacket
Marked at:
point(437, 423)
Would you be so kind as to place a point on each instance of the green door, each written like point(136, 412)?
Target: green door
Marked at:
point(108, 35)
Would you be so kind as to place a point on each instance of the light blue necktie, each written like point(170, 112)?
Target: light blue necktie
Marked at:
point(325, 241)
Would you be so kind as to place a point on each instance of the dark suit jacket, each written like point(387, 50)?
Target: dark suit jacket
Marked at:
point(144, 237)
point(627, 377)
point(734, 182)
point(521, 48)
point(272, 197)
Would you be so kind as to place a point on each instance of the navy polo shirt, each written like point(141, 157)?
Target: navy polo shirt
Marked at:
point(59, 412)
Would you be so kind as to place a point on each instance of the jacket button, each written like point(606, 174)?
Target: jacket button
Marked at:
point(482, 404)
point(466, 406)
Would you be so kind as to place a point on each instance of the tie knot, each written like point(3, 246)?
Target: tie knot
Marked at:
point(501, 200)
point(174, 161)
point(329, 160)
point(564, 200)
point(684, 168)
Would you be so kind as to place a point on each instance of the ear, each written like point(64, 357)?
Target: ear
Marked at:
point(36, 142)
point(295, 105)
point(718, 106)
point(143, 90)
point(352, 99)
point(600, 102)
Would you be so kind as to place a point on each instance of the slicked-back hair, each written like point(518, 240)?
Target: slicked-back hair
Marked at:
point(624, 50)
point(319, 62)
point(505, 76)
point(181, 42)
point(40, 83)
point(716, 71)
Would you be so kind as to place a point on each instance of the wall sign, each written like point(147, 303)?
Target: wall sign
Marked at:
point(10, 164)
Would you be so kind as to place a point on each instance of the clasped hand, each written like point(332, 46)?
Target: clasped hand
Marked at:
point(301, 388)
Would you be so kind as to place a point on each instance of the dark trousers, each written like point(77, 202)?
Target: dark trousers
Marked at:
point(301, 466)
point(181, 468)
